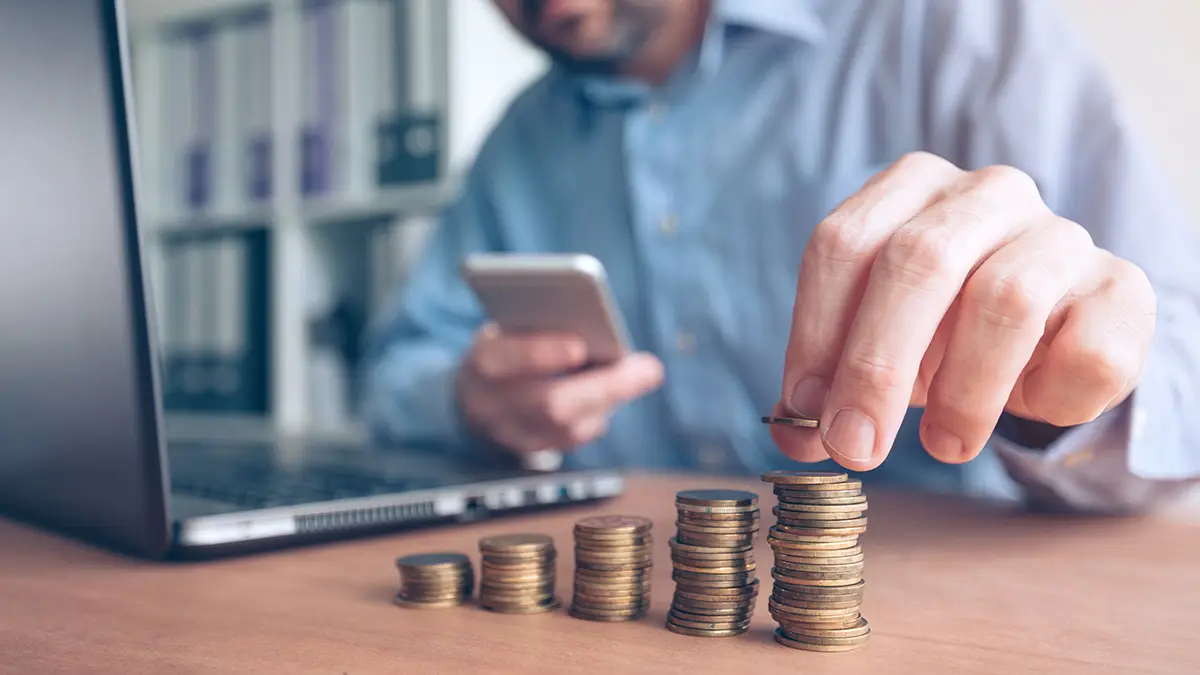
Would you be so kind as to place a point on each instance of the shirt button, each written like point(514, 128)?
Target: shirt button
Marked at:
point(685, 342)
point(669, 225)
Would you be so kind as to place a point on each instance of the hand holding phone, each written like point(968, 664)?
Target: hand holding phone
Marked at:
point(523, 384)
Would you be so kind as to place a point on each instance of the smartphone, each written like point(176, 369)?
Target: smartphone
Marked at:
point(563, 293)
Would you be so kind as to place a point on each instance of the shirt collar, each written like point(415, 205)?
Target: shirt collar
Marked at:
point(794, 19)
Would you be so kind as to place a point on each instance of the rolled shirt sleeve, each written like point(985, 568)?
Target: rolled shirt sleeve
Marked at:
point(1028, 93)
point(414, 350)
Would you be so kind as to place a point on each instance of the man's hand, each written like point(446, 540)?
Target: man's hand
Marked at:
point(960, 292)
point(520, 392)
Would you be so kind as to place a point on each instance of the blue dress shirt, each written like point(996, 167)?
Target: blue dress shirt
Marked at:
point(699, 197)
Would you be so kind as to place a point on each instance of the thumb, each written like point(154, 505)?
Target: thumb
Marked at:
point(637, 374)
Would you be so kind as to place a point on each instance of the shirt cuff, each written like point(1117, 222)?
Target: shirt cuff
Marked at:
point(1090, 468)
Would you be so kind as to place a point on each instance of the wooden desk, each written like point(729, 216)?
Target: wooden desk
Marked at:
point(952, 587)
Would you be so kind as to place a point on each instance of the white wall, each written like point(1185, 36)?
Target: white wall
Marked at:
point(1151, 48)
point(490, 64)
point(1152, 51)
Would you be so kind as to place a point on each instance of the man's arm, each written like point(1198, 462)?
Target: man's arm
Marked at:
point(1015, 80)
point(414, 350)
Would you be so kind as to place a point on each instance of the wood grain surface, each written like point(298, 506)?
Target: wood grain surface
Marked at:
point(952, 587)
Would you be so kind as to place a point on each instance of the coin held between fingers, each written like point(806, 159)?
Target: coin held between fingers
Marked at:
point(807, 422)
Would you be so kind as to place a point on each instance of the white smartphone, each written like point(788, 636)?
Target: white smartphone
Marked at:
point(568, 293)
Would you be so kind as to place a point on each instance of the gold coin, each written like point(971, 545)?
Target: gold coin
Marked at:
point(615, 524)
point(852, 554)
point(730, 569)
point(691, 632)
point(800, 421)
point(783, 565)
point(715, 540)
point(610, 618)
point(521, 609)
point(804, 477)
point(707, 593)
point(860, 628)
point(677, 545)
point(428, 604)
point(707, 625)
point(853, 498)
point(717, 593)
point(716, 497)
point(787, 641)
point(719, 510)
point(818, 537)
point(816, 578)
point(847, 484)
point(822, 511)
point(692, 530)
point(514, 543)
point(822, 521)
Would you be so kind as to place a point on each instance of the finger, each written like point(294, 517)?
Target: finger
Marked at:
point(833, 275)
point(1004, 309)
point(579, 432)
point(915, 278)
point(1097, 356)
point(597, 391)
point(933, 357)
point(793, 441)
point(501, 355)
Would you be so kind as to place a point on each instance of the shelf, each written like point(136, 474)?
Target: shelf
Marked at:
point(418, 200)
point(147, 16)
point(203, 223)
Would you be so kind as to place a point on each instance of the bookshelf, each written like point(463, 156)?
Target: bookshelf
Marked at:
point(294, 156)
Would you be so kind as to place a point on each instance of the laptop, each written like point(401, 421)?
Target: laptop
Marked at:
point(82, 445)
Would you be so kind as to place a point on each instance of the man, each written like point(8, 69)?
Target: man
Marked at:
point(929, 216)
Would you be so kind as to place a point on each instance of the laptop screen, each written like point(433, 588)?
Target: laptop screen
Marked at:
point(78, 442)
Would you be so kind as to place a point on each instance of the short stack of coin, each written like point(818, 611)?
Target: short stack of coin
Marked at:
point(613, 560)
point(818, 572)
point(712, 555)
point(434, 580)
point(517, 574)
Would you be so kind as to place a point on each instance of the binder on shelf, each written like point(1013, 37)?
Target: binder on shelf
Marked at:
point(254, 95)
point(409, 133)
point(216, 347)
point(198, 158)
point(184, 148)
point(319, 47)
point(372, 116)
point(228, 198)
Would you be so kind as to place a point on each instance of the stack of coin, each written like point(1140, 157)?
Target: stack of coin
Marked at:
point(434, 580)
point(613, 560)
point(818, 571)
point(517, 574)
point(712, 555)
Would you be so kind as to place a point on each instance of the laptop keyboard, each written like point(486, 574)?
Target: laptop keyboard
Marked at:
point(250, 478)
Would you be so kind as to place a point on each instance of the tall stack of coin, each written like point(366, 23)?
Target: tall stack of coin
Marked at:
point(712, 555)
point(818, 571)
point(613, 560)
point(517, 574)
point(434, 580)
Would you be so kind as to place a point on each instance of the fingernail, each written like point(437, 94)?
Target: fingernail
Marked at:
point(808, 397)
point(944, 445)
point(852, 435)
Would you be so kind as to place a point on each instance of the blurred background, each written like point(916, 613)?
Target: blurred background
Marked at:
point(295, 154)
